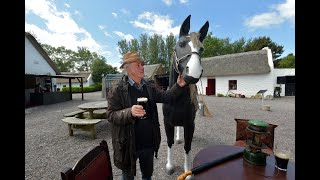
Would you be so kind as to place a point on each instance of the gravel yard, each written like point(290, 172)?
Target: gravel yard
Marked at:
point(49, 149)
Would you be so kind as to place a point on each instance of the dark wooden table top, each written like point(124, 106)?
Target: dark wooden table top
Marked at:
point(237, 168)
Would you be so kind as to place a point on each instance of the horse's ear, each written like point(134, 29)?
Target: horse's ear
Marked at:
point(185, 27)
point(203, 31)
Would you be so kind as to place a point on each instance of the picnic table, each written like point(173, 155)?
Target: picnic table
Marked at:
point(76, 120)
point(91, 106)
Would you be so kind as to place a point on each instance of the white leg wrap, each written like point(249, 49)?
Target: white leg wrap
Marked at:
point(187, 165)
point(169, 165)
point(178, 134)
point(187, 162)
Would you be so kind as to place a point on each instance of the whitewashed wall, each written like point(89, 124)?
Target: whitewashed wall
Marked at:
point(202, 84)
point(89, 80)
point(247, 85)
point(34, 62)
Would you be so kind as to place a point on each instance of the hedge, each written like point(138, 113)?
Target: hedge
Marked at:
point(86, 89)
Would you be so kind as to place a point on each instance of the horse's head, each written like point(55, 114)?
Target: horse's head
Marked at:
point(186, 59)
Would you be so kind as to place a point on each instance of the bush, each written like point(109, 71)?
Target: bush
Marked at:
point(220, 95)
point(86, 89)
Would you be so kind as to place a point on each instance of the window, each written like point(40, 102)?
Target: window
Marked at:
point(232, 84)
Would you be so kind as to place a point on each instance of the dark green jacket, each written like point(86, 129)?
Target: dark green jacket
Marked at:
point(119, 115)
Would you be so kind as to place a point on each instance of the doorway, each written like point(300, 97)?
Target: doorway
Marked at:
point(211, 87)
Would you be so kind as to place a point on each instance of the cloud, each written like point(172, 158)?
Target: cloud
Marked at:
point(60, 28)
point(156, 24)
point(107, 34)
point(67, 5)
point(115, 15)
point(127, 37)
point(183, 1)
point(101, 27)
point(279, 14)
point(167, 2)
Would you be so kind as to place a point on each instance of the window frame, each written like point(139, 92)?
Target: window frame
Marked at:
point(233, 85)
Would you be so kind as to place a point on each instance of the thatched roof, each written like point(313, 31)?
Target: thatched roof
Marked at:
point(42, 52)
point(253, 62)
point(154, 69)
point(85, 76)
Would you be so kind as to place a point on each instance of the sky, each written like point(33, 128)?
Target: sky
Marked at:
point(100, 24)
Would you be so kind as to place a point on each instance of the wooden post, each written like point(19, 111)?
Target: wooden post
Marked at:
point(70, 88)
point(82, 87)
point(70, 130)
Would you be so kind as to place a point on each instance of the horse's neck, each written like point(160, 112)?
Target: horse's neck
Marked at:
point(173, 75)
point(193, 93)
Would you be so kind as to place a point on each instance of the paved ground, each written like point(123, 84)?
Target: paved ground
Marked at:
point(49, 149)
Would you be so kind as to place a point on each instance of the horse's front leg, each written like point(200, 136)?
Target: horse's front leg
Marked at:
point(187, 165)
point(188, 136)
point(178, 134)
point(169, 165)
point(170, 141)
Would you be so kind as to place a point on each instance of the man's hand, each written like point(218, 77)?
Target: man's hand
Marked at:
point(137, 111)
point(181, 81)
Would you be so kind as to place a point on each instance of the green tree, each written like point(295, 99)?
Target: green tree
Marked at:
point(144, 46)
point(238, 46)
point(170, 43)
point(153, 49)
point(63, 58)
point(84, 59)
point(67, 60)
point(134, 45)
point(214, 46)
point(123, 46)
point(100, 67)
point(261, 42)
point(286, 62)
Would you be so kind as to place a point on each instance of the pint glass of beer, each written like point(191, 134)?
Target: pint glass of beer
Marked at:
point(143, 101)
point(282, 156)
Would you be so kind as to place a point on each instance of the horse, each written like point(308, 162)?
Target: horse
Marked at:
point(186, 61)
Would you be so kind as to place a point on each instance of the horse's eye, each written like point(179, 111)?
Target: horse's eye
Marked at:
point(181, 44)
point(201, 50)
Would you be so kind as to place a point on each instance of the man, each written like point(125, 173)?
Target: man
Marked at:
point(133, 137)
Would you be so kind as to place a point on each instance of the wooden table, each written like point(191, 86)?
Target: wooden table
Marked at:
point(91, 106)
point(237, 168)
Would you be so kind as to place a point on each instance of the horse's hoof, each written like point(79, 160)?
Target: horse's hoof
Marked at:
point(169, 169)
point(190, 177)
point(179, 141)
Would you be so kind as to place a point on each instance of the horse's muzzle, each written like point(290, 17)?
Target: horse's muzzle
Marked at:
point(190, 79)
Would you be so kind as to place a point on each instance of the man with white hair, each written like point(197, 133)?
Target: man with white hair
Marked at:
point(134, 137)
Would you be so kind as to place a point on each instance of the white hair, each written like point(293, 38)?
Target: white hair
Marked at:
point(125, 68)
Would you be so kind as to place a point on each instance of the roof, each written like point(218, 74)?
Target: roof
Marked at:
point(154, 69)
point(85, 76)
point(253, 62)
point(42, 52)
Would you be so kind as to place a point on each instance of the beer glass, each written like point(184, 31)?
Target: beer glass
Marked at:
point(143, 101)
point(282, 156)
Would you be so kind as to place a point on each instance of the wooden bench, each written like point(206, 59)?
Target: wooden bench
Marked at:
point(78, 113)
point(97, 114)
point(84, 124)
